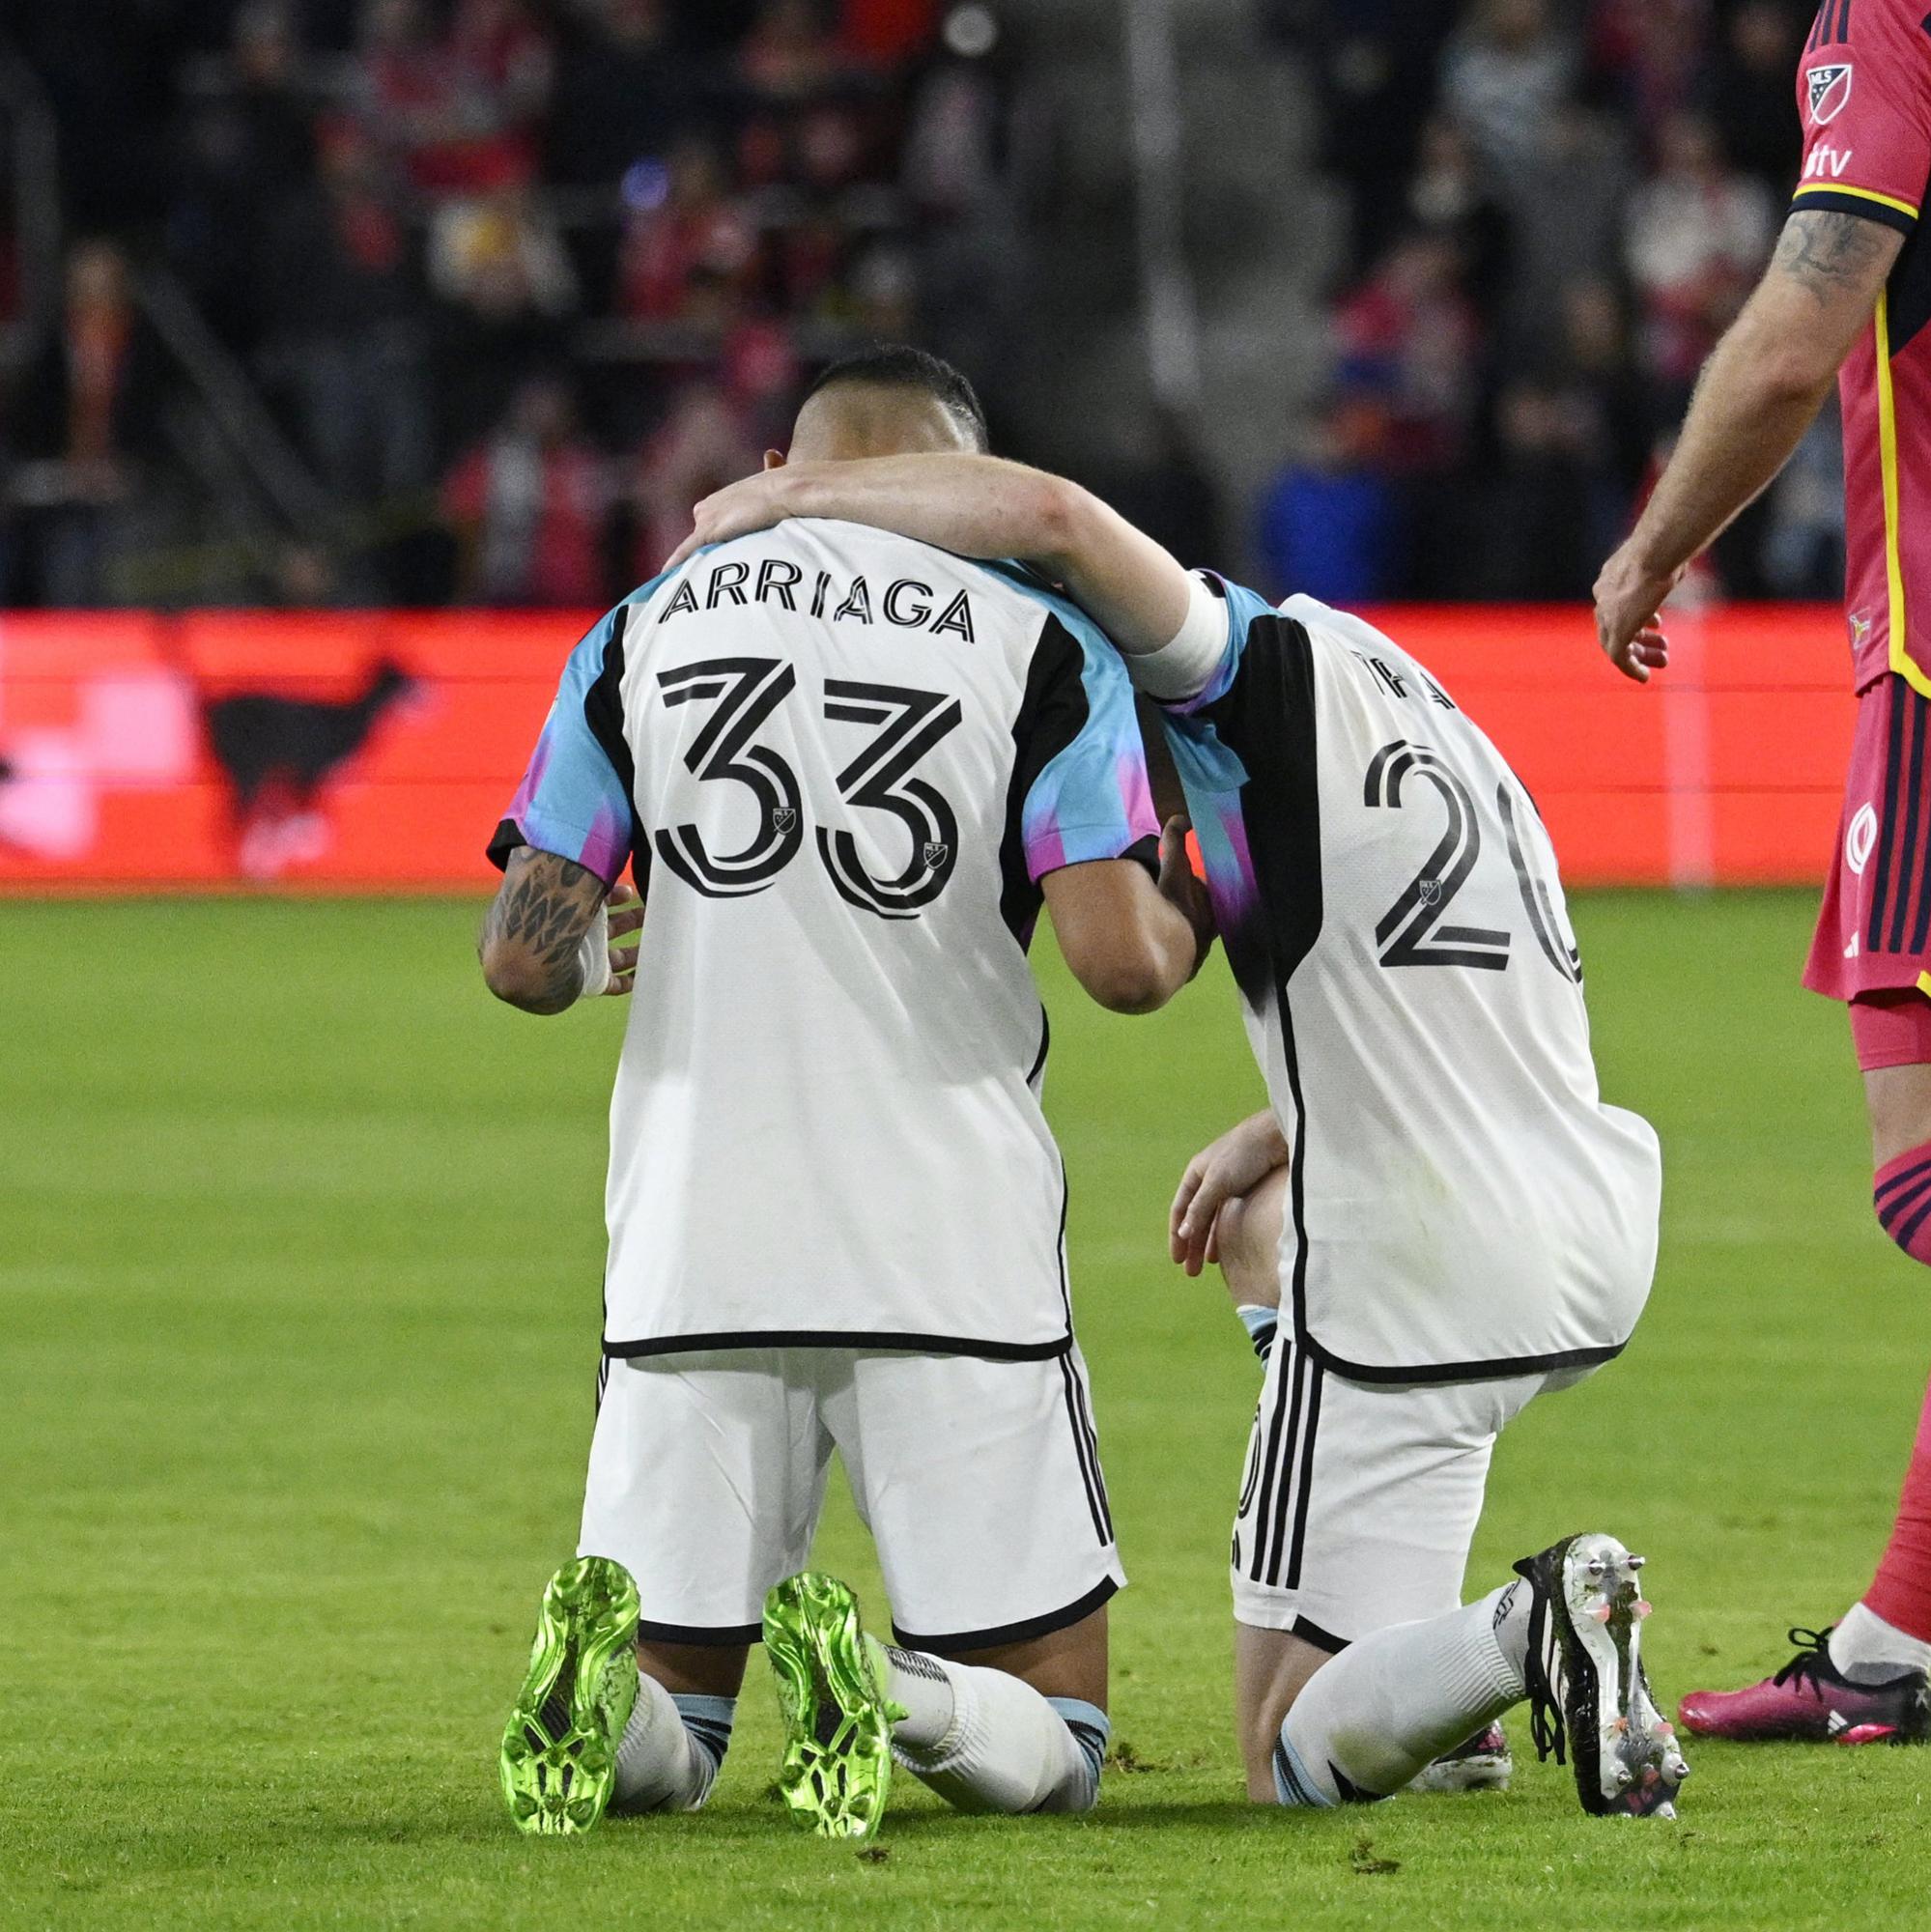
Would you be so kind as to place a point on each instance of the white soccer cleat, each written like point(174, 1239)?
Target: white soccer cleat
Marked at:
point(1481, 1763)
point(1589, 1699)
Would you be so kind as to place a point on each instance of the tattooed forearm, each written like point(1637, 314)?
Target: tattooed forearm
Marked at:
point(534, 928)
point(1832, 255)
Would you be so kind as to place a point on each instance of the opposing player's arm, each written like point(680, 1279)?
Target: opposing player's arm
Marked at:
point(1760, 389)
point(980, 506)
point(1131, 941)
point(549, 937)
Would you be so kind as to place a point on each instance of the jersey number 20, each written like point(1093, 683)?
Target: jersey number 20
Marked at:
point(744, 693)
point(1410, 932)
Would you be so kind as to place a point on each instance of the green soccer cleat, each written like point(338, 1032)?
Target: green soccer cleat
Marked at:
point(559, 1763)
point(835, 1774)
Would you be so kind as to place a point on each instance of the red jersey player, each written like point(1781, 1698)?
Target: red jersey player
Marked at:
point(1847, 297)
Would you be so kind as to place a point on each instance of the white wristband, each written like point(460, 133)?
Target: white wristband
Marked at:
point(594, 955)
point(1181, 668)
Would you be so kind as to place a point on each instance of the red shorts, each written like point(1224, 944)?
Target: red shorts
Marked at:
point(1890, 1030)
point(1874, 931)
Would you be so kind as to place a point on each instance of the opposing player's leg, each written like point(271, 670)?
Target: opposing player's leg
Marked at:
point(674, 1566)
point(1865, 1680)
point(981, 1481)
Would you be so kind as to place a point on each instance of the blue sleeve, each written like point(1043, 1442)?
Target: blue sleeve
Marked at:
point(1243, 608)
point(1091, 797)
point(574, 798)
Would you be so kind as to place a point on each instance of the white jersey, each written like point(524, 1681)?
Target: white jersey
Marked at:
point(840, 763)
point(1462, 1202)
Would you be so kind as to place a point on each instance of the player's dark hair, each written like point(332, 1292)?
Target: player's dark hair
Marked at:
point(897, 365)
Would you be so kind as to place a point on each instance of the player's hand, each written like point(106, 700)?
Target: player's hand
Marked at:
point(625, 911)
point(753, 504)
point(1236, 1164)
point(1181, 886)
point(1629, 623)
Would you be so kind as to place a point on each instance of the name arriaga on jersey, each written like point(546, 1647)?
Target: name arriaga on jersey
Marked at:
point(839, 763)
point(905, 601)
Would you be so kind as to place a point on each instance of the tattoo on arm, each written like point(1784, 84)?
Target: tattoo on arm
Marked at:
point(1831, 254)
point(539, 917)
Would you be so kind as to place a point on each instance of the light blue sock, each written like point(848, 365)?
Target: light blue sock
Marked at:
point(1295, 1784)
point(1261, 1324)
point(1091, 1731)
point(709, 1720)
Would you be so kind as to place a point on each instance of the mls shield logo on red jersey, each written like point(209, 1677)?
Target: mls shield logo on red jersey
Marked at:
point(1830, 90)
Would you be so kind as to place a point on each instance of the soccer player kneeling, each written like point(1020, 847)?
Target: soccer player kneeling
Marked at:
point(1459, 1223)
point(848, 770)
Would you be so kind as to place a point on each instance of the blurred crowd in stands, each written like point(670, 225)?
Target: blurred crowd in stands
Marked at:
point(514, 281)
point(1553, 213)
point(438, 237)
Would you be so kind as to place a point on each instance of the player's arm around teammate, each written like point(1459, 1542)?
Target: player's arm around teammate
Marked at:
point(1356, 1669)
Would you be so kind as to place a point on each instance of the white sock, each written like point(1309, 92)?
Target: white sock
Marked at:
point(1370, 1720)
point(986, 1742)
point(1867, 1650)
point(670, 1750)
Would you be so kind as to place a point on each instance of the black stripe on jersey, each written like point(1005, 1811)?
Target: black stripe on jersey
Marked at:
point(1052, 713)
point(603, 714)
point(889, 1342)
point(1038, 1066)
point(1306, 1483)
point(1087, 1468)
point(1281, 1479)
point(1404, 1373)
point(1831, 26)
point(707, 1634)
point(1059, 1250)
point(1894, 765)
point(1085, 1399)
point(1311, 1633)
point(1269, 1464)
point(1910, 860)
point(1023, 1632)
point(1809, 197)
point(604, 1328)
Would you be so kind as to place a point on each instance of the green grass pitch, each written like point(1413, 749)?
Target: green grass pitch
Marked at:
point(300, 1245)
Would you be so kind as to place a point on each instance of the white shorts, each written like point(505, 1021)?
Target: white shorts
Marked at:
point(1359, 1502)
point(979, 1480)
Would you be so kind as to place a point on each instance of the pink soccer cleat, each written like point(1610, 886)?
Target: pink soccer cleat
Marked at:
point(1811, 1701)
